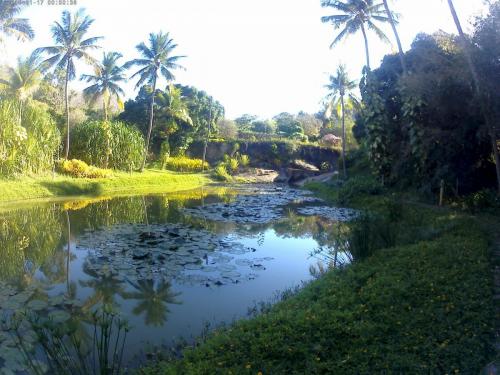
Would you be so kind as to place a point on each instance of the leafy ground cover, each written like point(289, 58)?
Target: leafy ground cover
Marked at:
point(24, 188)
point(421, 306)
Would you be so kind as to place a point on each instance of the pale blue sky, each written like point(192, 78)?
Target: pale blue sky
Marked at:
point(255, 56)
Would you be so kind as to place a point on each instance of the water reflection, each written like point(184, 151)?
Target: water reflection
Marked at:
point(152, 298)
point(138, 254)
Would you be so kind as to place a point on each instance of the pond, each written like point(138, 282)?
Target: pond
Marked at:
point(169, 264)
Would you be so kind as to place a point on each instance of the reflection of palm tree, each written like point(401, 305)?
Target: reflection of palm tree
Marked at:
point(68, 227)
point(153, 298)
point(105, 287)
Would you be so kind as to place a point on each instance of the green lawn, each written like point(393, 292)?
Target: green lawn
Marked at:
point(423, 306)
point(121, 183)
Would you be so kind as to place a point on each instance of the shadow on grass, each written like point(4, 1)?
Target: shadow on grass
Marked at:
point(64, 188)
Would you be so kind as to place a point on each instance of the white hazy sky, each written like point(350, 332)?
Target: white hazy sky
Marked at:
point(255, 56)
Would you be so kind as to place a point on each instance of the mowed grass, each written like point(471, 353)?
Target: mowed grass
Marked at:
point(122, 183)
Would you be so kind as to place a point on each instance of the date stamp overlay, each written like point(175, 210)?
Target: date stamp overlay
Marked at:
point(46, 2)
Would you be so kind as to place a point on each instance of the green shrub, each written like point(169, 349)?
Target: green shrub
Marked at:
point(80, 169)
point(358, 186)
point(29, 138)
point(369, 233)
point(185, 164)
point(221, 173)
point(481, 200)
point(96, 142)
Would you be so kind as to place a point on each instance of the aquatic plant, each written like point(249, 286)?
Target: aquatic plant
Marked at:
point(60, 350)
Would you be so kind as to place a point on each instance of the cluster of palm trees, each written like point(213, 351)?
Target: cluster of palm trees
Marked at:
point(352, 16)
point(72, 44)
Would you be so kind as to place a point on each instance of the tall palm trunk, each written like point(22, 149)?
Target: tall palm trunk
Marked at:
point(477, 87)
point(66, 103)
point(105, 109)
point(342, 107)
point(208, 135)
point(367, 50)
point(151, 118)
point(396, 35)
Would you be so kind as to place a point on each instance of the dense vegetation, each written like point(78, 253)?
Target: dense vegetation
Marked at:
point(108, 144)
point(29, 138)
point(430, 116)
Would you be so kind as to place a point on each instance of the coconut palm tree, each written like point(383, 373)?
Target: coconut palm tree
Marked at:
point(71, 45)
point(393, 23)
point(173, 106)
point(23, 80)
point(157, 60)
point(356, 15)
point(477, 86)
point(12, 26)
point(340, 87)
point(105, 82)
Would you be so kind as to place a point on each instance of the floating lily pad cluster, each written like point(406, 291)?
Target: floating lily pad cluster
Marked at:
point(256, 205)
point(331, 213)
point(170, 251)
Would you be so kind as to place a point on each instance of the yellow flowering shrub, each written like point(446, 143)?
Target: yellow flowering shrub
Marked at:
point(80, 169)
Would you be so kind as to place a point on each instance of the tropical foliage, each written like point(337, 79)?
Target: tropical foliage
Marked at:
point(423, 128)
point(106, 144)
point(22, 81)
point(356, 15)
point(10, 24)
point(71, 45)
point(340, 91)
point(29, 138)
point(157, 60)
point(105, 82)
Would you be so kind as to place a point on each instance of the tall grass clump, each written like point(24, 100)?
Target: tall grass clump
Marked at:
point(29, 138)
point(221, 173)
point(108, 144)
point(184, 164)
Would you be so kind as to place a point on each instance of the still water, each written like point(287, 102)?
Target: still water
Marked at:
point(169, 264)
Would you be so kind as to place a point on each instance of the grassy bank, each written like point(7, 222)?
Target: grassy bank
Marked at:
point(121, 183)
point(422, 305)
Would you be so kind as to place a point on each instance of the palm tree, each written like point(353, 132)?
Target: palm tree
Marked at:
point(356, 15)
point(24, 80)
point(157, 60)
point(105, 82)
point(71, 45)
point(339, 87)
point(477, 86)
point(172, 104)
point(12, 26)
point(393, 23)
